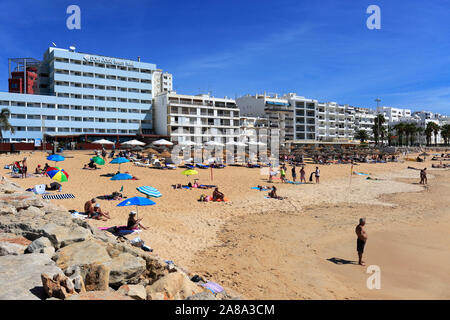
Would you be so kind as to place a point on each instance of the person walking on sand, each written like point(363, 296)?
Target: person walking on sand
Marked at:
point(361, 240)
point(294, 174)
point(317, 173)
point(302, 175)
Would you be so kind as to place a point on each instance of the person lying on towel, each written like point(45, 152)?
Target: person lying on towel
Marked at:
point(134, 223)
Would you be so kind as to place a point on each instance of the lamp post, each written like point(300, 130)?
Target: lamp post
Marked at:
point(378, 100)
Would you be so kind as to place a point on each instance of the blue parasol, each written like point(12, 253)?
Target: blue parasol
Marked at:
point(122, 176)
point(120, 160)
point(136, 201)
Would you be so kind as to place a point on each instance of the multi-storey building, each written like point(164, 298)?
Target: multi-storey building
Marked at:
point(364, 120)
point(196, 118)
point(162, 82)
point(394, 114)
point(80, 93)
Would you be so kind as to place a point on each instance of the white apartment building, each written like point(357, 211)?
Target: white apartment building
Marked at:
point(394, 114)
point(293, 115)
point(303, 120)
point(335, 122)
point(196, 118)
point(364, 120)
point(162, 82)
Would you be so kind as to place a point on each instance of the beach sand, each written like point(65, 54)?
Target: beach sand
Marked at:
point(302, 247)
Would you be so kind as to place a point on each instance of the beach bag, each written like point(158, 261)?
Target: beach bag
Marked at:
point(310, 177)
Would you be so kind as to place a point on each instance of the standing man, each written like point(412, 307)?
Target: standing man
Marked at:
point(361, 241)
point(317, 172)
point(423, 176)
point(294, 174)
point(24, 167)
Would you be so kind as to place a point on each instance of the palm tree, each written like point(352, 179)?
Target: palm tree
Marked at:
point(419, 133)
point(429, 132)
point(445, 133)
point(378, 129)
point(4, 122)
point(410, 129)
point(400, 130)
point(361, 135)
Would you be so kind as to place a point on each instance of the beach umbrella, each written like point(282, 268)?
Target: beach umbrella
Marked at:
point(122, 176)
point(189, 172)
point(162, 142)
point(165, 154)
point(151, 151)
point(98, 160)
point(149, 191)
point(120, 160)
point(57, 174)
point(134, 143)
point(56, 158)
point(103, 141)
point(136, 201)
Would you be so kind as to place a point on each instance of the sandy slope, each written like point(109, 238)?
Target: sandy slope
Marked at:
point(264, 248)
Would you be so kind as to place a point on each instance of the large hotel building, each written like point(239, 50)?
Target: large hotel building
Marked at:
point(72, 93)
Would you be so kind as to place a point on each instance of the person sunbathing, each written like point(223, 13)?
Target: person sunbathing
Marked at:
point(217, 195)
point(89, 206)
point(133, 223)
point(98, 213)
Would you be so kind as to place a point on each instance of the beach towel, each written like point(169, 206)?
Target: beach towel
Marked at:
point(149, 191)
point(120, 229)
point(58, 196)
point(256, 188)
point(213, 287)
point(292, 182)
point(360, 173)
point(78, 215)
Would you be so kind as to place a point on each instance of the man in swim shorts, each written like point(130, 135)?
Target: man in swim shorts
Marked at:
point(361, 240)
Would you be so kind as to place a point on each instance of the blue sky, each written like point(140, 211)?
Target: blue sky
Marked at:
point(319, 49)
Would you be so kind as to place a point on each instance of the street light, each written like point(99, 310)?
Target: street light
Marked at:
point(378, 100)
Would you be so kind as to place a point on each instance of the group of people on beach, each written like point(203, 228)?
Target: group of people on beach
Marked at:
point(283, 169)
point(93, 210)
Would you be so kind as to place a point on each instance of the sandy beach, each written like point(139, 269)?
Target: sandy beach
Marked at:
point(302, 247)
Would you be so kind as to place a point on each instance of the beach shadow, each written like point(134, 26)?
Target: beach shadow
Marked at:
point(39, 292)
point(341, 261)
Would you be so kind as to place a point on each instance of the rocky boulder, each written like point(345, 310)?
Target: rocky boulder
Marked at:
point(96, 277)
point(174, 286)
point(136, 292)
point(20, 276)
point(82, 253)
point(39, 244)
point(58, 286)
